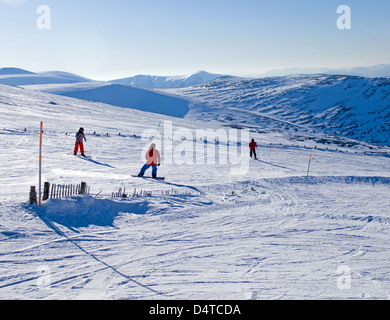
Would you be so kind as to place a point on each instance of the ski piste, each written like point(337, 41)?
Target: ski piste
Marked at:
point(91, 159)
point(157, 178)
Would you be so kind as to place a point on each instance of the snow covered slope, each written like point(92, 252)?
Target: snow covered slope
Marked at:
point(13, 71)
point(161, 82)
point(20, 77)
point(345, 106)
point(353, 107)
point(377, 71)
point(204, 233)
point(120, 95)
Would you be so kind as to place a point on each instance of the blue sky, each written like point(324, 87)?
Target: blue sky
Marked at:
point(112, 39)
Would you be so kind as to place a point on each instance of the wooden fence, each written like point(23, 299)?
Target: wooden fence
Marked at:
point(58, 191)
point(121, 193)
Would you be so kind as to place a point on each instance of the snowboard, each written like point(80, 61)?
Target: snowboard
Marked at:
point(80, 156)
point(158, 178)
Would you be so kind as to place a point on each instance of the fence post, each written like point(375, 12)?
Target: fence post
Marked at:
point(46, 189)
point(83, 188)
point(52, 193)
point(33, 195)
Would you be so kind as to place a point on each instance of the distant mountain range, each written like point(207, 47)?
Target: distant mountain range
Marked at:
point(343, 105)
point(20, 77)
point(377, 71)
point(165, 82)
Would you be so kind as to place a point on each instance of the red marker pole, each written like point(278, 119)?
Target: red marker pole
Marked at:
point(40, 165)
point(308, 169)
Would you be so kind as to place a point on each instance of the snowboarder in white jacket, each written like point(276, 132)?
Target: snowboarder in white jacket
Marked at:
point(153, 159)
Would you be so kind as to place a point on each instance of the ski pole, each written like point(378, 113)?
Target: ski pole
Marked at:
point(308, 169)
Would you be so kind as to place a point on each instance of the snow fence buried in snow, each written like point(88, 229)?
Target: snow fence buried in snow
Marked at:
point(87, 210)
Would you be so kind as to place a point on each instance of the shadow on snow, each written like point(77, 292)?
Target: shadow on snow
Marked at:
point(84, 211)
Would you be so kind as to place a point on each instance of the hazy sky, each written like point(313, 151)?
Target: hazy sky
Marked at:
point(118, 38)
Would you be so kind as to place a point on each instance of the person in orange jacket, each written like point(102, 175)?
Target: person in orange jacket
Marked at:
point(153, 159)
point(252, 147)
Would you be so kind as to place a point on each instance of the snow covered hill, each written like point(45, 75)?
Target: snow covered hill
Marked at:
point(13, 71)
point(353, 107)
point(163, 82)
point(269, 232)
point(20, 77)
point(377, 71)
point(120, 95)
point(348, 107)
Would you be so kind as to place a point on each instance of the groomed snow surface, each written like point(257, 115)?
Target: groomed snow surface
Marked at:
point(268, 233)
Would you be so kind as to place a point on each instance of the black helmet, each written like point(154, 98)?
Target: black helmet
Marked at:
point(81, 129)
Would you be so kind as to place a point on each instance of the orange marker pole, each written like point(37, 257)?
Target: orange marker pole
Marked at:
point(40, 165)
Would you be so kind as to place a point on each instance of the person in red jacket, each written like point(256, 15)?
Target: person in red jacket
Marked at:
point(80, 138)
point(252, 147)
point(153, 159)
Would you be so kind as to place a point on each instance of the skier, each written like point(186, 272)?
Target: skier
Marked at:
point(252, 147)
point(153, 160)
point(80, 138)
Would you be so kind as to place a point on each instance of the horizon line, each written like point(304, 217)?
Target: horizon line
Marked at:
point(269, 73)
